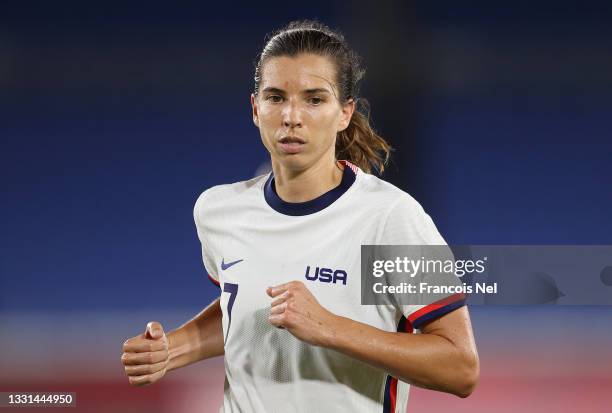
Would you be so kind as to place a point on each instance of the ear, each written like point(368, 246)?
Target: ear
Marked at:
point(254, 107)
point(347, 113)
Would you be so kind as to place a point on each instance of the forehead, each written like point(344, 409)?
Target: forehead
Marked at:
point(304, 71)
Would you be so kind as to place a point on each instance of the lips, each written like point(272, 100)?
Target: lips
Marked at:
point(292, 139)
point(291, 144)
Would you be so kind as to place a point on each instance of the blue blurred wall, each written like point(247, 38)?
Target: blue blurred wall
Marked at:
point(114, 119)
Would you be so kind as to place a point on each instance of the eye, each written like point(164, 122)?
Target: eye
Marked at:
point(274, 98)
point(315, 100)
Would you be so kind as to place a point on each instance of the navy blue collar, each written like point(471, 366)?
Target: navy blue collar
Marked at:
point(308, 207)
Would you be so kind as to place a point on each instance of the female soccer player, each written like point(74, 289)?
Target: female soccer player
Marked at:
point(284, 248)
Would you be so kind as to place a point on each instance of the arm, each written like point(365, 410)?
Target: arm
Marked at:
point(442, 358)
point(198, 339)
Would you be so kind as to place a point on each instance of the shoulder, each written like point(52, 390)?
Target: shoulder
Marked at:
point(403, 219)
point(226, 196)
point(386, 196)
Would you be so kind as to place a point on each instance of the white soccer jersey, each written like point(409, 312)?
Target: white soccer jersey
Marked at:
point(251, 239)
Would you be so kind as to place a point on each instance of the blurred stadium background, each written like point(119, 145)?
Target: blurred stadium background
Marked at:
point(114, 117)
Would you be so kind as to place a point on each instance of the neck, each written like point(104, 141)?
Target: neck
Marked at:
point(307, 184)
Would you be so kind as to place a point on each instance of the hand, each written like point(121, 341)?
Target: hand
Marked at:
point(297, 310)
point(145, 356)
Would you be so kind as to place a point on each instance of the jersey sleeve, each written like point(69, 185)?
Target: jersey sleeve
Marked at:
point(207, 256)
point(408, 224)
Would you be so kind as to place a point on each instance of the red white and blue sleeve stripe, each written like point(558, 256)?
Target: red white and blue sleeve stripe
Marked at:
point(215, 282)
point(435, 310)
point(212, 278)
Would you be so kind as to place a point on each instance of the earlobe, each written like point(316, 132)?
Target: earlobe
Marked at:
point(347, 111)
point(254, 110)
point(345, 124)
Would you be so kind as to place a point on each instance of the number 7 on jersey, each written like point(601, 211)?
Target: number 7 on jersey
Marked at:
point(232, 289)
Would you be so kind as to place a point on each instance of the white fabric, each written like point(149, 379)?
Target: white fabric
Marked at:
point(267, 369)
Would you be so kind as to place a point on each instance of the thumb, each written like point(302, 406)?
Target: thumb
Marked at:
point(154, 330)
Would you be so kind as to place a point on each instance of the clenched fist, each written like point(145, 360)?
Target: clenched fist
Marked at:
point(145, 357)
point(297, 310)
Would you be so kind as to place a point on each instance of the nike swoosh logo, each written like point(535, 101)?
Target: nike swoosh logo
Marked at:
point(225, 266)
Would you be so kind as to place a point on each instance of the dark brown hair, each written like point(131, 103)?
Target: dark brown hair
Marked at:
point(358, 143)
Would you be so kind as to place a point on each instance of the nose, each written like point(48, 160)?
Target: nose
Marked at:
point(292, 117)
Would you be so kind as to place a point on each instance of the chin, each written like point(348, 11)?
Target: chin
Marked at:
point(293, 161)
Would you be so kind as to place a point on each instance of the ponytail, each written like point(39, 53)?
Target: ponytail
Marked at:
point(361, 145)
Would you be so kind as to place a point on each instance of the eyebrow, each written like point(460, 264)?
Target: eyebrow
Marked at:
point(307, 91)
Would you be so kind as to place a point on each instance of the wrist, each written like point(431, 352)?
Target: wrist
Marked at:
point(175, 349)
point(332, 333)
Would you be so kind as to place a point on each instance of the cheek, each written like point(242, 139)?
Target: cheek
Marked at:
point(267, 119)
point(326, 122)
point(265, 111)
